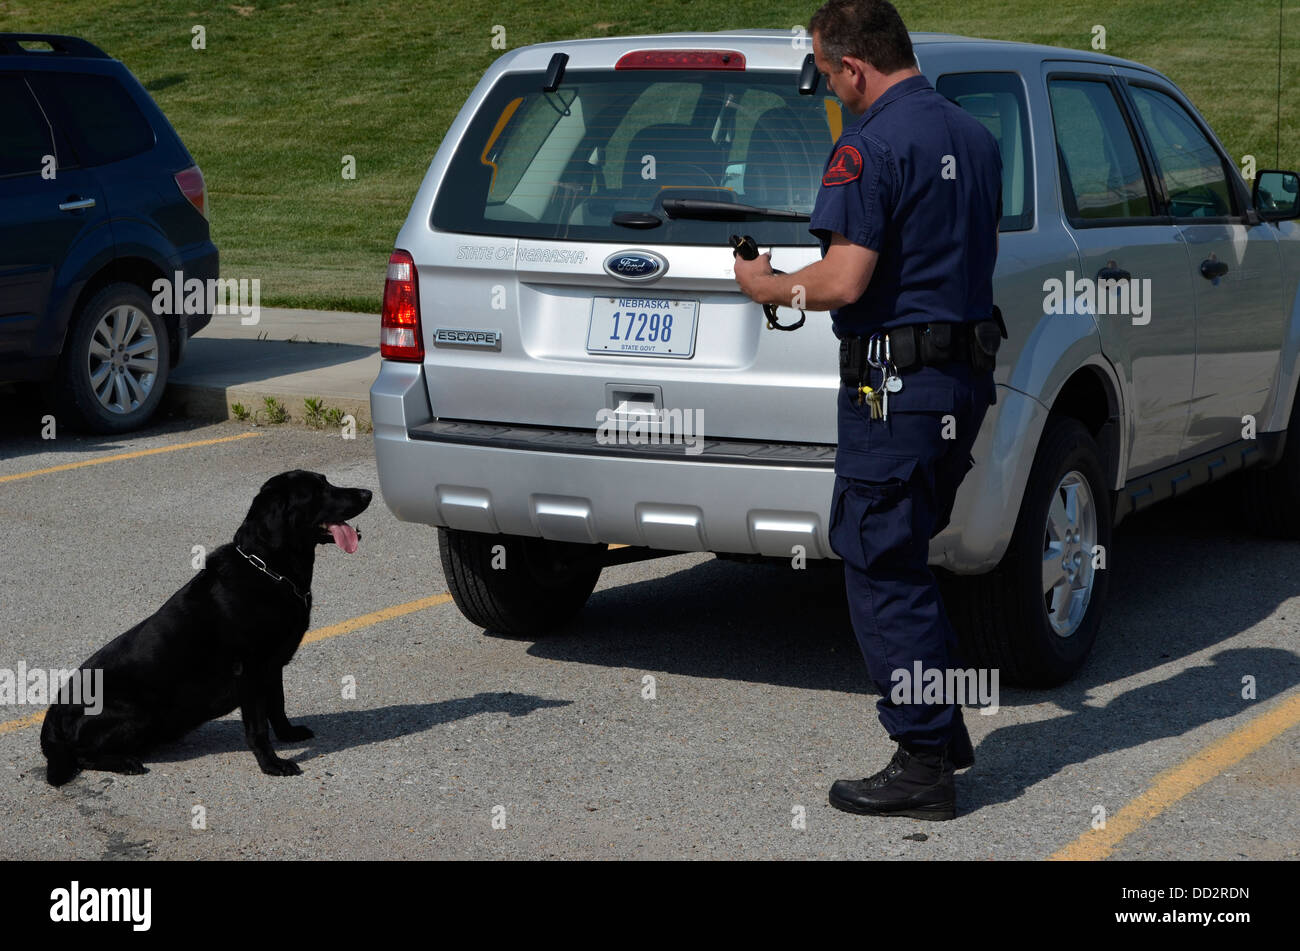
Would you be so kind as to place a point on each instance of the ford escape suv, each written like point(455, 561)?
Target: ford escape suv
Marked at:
point(98, 200)
point(564, 281)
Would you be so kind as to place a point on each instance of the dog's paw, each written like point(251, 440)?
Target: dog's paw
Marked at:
point(281, 767)
point(133, 767)
point(294, 733)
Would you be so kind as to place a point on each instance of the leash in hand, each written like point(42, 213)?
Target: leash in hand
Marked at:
point(746, 247)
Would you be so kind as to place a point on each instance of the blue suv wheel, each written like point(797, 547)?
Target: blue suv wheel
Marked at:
point(115, 361)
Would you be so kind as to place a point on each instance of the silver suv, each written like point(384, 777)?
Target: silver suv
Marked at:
point(569, 365)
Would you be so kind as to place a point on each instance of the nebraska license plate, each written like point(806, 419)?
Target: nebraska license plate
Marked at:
point(642, 326)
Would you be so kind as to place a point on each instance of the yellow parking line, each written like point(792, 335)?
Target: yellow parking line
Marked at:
point(124, 455)
point(34, 719)
point(1173, 784)
point(311, 637)
point(374, 617)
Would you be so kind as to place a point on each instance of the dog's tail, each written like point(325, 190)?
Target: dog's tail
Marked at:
point(62, 760)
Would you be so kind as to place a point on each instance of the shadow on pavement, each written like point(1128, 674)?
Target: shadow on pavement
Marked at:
point(347, 729)
point(1010, 759)
point(225, 362)
point(21, 423)
point(1186, 579)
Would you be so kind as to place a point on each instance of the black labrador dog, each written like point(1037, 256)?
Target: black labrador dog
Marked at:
point(220, 642)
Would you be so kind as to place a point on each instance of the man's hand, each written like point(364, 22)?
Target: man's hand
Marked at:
point(750, 274)
point(836, 281)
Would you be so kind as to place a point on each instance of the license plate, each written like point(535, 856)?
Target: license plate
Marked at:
point(642, 327)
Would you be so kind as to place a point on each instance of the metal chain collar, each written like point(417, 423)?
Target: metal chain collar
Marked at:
point(260, 565)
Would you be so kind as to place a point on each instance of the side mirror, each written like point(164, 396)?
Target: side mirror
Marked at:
point(1276, 195)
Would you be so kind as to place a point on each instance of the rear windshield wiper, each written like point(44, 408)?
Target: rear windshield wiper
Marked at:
point(726, 211)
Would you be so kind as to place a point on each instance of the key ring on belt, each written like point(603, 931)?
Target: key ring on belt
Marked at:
point(879, 356)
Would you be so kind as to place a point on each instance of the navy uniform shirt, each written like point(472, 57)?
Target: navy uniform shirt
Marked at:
point(918, 180)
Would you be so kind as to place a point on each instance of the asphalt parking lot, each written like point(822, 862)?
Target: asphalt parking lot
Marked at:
point(462, 744)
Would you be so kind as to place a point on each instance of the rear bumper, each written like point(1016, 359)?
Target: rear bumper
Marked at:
point(200, 261)
point(498, 480)
point(566, 496)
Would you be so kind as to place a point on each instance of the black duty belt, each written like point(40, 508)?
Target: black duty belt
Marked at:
point(913, 346)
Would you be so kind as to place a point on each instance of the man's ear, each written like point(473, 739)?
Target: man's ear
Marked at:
point(859, 74)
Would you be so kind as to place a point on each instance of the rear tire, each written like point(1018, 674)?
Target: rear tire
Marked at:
point(1003, 617)
point(523, 587)
point(115, 362)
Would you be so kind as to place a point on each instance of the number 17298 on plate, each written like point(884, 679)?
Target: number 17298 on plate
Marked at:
point(642, 327)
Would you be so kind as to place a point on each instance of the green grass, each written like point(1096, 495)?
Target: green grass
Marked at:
point(285, 89)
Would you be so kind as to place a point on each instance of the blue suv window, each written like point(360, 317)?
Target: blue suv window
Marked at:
point(563, 164)
point(24, 133)
point(99, 116)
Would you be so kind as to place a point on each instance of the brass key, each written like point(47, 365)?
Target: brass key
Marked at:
point(875, 401)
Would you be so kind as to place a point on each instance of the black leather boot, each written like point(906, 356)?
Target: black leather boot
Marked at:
point(917, 785)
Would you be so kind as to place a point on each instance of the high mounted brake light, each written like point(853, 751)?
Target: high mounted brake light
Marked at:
point(399, 327)
point(682, 59)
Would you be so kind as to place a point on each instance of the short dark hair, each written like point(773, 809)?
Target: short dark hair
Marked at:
point(869, 30)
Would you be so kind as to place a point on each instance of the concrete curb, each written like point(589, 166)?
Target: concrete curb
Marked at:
point(216, 404)
point(291, 355)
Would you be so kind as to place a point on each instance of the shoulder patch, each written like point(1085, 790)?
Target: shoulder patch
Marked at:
point(845, 166)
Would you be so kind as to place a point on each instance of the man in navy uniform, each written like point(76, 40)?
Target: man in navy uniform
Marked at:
point(907, 217)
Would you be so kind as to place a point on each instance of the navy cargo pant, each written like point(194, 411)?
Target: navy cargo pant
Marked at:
point(895, 481)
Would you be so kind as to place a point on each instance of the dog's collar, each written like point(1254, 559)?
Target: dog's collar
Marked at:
point(260, 565)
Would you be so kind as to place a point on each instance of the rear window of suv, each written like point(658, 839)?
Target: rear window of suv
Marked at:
point(562, 164)
point(100, 116)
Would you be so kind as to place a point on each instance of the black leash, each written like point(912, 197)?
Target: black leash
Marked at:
point(747, 248)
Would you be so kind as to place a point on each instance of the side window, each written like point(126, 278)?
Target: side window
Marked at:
point(1191, 167)
point(98, 114)
point(1101, 174)
point(24, 134)
point(997, 100)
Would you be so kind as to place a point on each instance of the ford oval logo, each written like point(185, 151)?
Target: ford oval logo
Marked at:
point(635, 265)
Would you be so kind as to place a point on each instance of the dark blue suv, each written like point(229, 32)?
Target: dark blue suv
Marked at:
point(99, 201)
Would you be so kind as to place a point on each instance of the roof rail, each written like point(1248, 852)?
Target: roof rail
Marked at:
point(11, 43)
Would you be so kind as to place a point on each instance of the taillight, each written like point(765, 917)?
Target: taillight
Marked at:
point(681, 59)
point(194, 188)
point(399, 328)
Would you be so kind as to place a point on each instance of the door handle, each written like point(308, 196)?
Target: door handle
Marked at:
point(77, 204)
point(1111, 272)
point(1212, 268)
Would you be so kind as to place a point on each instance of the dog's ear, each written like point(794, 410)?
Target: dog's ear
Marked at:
point(270, 524)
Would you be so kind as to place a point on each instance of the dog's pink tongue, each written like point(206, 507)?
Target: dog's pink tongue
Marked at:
point(345, 536)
